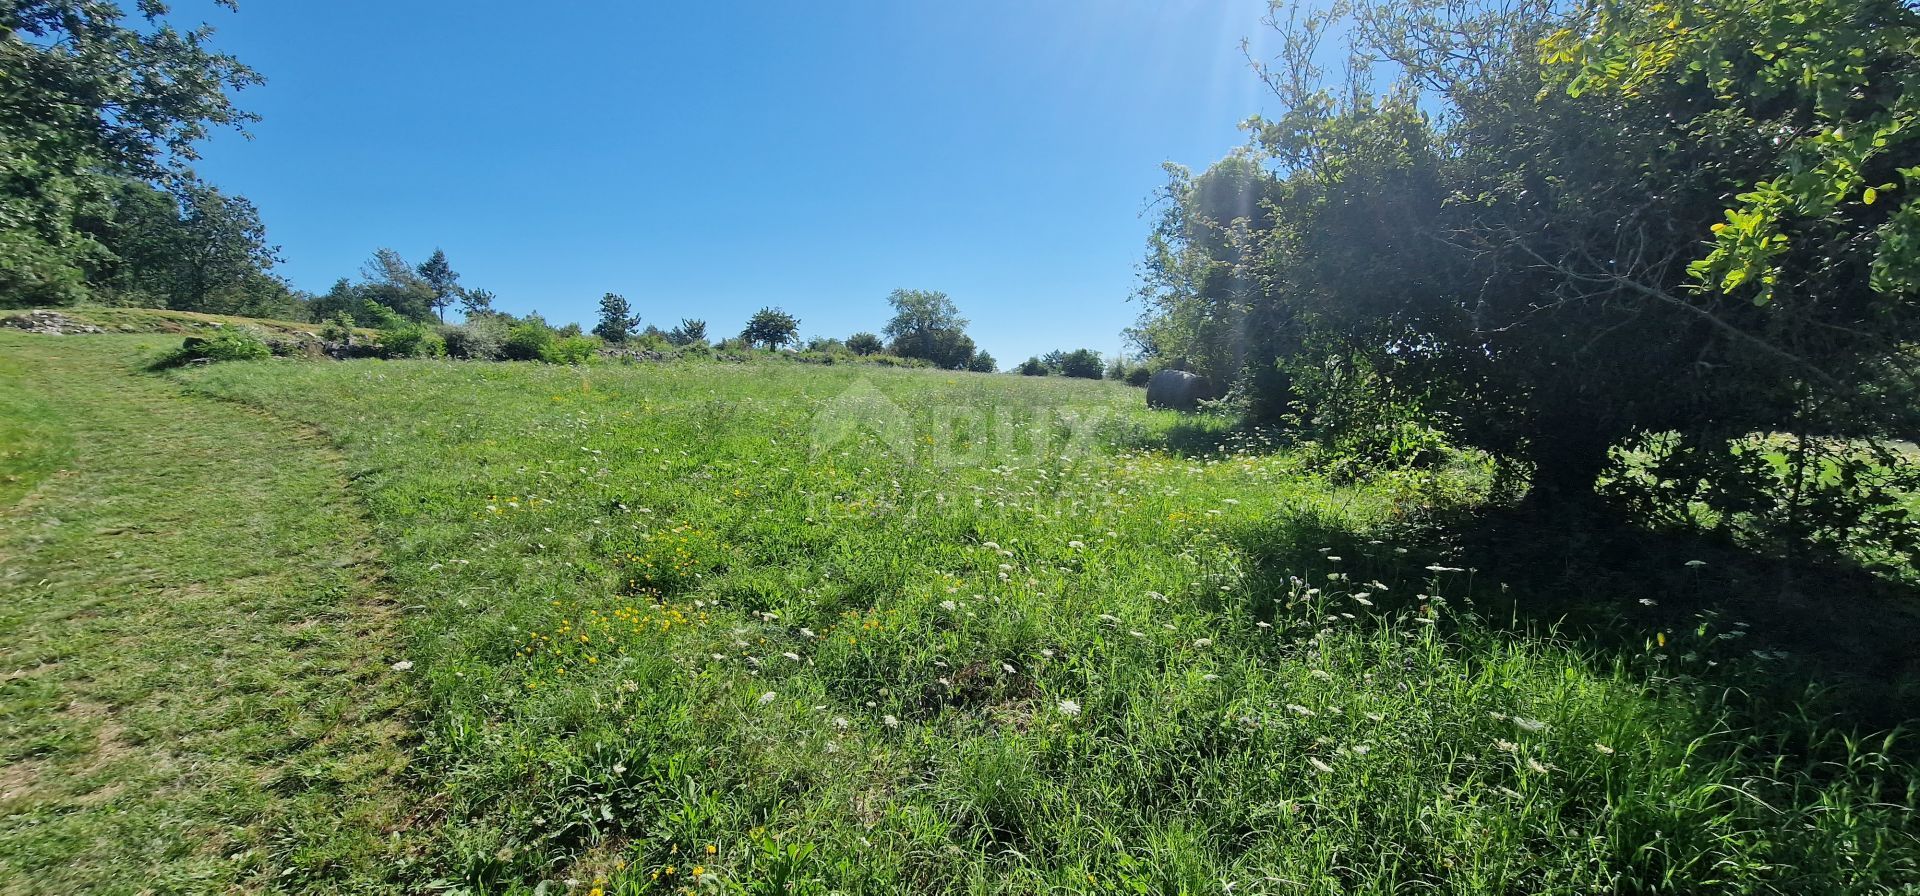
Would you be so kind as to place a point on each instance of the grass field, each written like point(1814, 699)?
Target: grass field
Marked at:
point(773, 628)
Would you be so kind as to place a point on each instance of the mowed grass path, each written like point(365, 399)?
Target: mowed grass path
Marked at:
point(195, 684)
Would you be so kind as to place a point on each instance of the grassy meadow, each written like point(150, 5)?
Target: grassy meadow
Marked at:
point(780, 628)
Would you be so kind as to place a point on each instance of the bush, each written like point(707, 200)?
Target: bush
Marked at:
point(338, 328)
point(479, 339)
point(528, 342)
point(223, 344)
point(1032, 367)
point(864, 344)
point(1139, 375)
point(571, 349)
point(411, 342)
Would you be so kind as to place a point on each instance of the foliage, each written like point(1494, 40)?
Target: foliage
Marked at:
point(223, 344)
point(337, 329)
point(1032, 367)
point(476, 302)
point(617, 320)
point(479, 338)
point(982, 363)
point(575, 349)
point(1080, 363)
point(927, 325)
point(771, 328)
point(442, 282)
point(92, 98)
point(528, 341)
point(411, 341)
point(690, 331)
point(1520, 279)
point(865, 344)
point(200, 250)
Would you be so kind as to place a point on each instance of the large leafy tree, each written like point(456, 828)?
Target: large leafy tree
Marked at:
point(927, 325)
point(771, 327)
point(201, 250)
point(91, 95)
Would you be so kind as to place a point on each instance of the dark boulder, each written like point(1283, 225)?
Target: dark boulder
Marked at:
point(1177, 389)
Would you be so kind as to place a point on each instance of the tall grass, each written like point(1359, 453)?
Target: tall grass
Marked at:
point(680, 635)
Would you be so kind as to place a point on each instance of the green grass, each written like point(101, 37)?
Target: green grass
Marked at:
point(777, 628)
point(194, 646)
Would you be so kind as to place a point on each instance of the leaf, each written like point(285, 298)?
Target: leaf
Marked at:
point(1870, 195)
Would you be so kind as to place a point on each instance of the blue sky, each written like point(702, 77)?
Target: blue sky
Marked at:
point(704, 159)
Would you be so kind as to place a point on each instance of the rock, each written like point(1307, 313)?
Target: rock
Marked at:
point(51, 323)
point(1177, 389)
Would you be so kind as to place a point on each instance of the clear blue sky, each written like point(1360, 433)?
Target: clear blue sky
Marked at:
point(704, 159)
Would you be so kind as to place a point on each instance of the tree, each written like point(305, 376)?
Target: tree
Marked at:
point(982, 363)
point(770, 327)
point(89, 99)
point(1032, 367)
point(477, 302)
point(926, 325)
point(391, 282)
point(691, 331)
point(1080, 363)
point(200, 250)
point(865, 344)
point(1533, 284)
point(617, 320)
point(442, 280)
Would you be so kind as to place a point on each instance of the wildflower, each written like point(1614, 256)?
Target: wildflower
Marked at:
point(792, 656)
point(1359, 749)
point(1300, 709)
point(949, 606)
point(403, 666)
point(1505, 746)
point(1603, 748)
point(1203, 643)
point(1536, 765)
point(1696, 564)
point(890, 721)
point(1529, 724)
point(1319, 766)
point(1076, 545)
point(1647, 602)
point(1321, 674)
point(1361, 599)
point(767, 698)
point(1069, 707)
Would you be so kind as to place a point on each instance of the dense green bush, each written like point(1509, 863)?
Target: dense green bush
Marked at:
point(411, 342)
point(223, 344)
point(479, 339)
point(527, 342)
point(570, 349)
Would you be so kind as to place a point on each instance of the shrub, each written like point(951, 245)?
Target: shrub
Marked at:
point(528, 342)
point(223, 344)
point(570, 349)
point(1032, 367)
point(411, 342)
point(1138, 375)
point(479, 339)
point(338, 328)
point(864, 344)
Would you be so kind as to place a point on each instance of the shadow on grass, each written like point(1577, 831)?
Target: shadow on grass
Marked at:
point(1820, 640)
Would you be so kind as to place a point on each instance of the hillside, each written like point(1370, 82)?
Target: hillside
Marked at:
point(788, 628)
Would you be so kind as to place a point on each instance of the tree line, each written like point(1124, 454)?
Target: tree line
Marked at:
point(1613, 245)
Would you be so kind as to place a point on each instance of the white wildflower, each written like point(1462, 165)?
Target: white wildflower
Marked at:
point(1068, 707)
